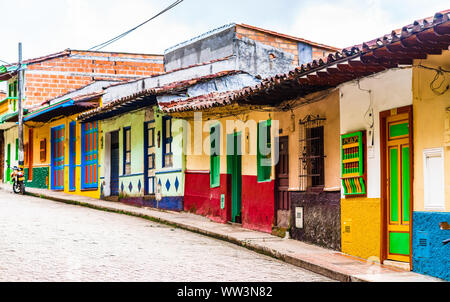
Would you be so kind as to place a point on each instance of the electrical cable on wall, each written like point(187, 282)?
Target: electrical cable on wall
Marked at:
point(440, 73)
point(369, 113)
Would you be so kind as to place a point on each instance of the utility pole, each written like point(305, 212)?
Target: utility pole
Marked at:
point(20, 81)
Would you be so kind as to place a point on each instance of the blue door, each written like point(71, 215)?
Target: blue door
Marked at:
point(57, 164)
point(72, 156)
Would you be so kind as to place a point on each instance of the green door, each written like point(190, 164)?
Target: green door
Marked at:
point(234, 163)
point(8, 163)
point(399, 188)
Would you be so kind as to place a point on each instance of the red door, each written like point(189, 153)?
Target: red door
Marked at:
point(282, 196)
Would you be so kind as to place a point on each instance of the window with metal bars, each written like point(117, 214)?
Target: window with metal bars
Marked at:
point(312, 155)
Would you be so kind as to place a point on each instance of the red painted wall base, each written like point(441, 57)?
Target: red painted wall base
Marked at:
point(258, 205)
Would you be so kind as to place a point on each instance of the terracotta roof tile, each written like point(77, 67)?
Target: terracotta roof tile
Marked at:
point(400, 47)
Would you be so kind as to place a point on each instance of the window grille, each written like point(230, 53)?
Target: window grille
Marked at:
point(312, 155)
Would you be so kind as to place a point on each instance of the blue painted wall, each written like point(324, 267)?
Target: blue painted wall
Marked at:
point(430, 256)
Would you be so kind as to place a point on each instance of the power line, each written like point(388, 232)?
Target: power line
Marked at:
point(115, 39)
point(104, 44)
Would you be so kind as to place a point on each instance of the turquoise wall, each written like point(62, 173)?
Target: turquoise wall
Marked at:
point(430, 255)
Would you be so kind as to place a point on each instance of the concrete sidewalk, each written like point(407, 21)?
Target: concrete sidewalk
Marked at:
point(326, 262)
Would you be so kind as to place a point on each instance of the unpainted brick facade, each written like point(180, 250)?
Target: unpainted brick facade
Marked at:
point(283, 42)
point(48, 78)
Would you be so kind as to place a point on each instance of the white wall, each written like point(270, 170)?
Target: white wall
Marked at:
point(390, 89)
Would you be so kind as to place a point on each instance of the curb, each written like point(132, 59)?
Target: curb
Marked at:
point(315, 268)
point(312, 267)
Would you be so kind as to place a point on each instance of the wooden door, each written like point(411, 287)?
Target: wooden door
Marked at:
point(30, 154)
point(149, 158)
point(234, 162)
point(8, 163)
point(57, 164)
point(2, 156)
point(282, 196)
point(398, 176)
point(72, 156)
point(114, 185)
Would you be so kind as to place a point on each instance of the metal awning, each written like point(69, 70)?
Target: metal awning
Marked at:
point(64, 108)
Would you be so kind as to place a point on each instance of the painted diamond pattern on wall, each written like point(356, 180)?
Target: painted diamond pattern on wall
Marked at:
point(122, 187)
point(139, 185)
point(130, 186)
point(168, 185)
point(177, 184)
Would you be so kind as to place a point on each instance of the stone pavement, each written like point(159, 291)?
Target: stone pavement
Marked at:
point(328, 263)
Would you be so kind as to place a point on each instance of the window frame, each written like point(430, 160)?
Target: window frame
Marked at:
point(94, 130)
point(214, 162)
point(167, 140)
point(126, 164)
point(430, 204)
point(264, 172)
point(43, 151)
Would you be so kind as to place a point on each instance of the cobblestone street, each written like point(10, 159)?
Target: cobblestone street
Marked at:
point(46, 241)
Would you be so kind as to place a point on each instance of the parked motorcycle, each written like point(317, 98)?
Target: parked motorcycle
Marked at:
point(18, 179)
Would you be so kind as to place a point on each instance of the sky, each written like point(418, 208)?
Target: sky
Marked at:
point(49, 26)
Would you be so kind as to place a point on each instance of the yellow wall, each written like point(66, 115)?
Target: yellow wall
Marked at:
point(4, 107)
point(200, 160)
point(327, 108)
point(430, 122)
point(362, 215)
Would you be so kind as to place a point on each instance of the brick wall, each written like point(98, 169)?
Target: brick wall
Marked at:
point(47, 79)
point(281, 41)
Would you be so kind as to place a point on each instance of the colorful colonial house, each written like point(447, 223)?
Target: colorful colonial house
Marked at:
point(431, 124)
point(143, 153)
point(60, 153)
point(393, 108)
point(265, 154)
point(9, 144)
point(51, 76)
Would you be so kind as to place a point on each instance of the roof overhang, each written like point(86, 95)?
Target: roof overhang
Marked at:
point(7, 72)
point(103, 113)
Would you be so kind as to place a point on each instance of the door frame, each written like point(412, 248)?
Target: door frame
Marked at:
point(53, 187)
point(108, 173)
point(2, 157)
point(147, 176)
point(383, 151)
point(231, 163)
point(280, 139)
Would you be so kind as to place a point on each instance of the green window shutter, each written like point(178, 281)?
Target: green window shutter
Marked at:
point(15, 89)
point(17, 149)
point(215, 156)
point(264, 171)
point(8, 157)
